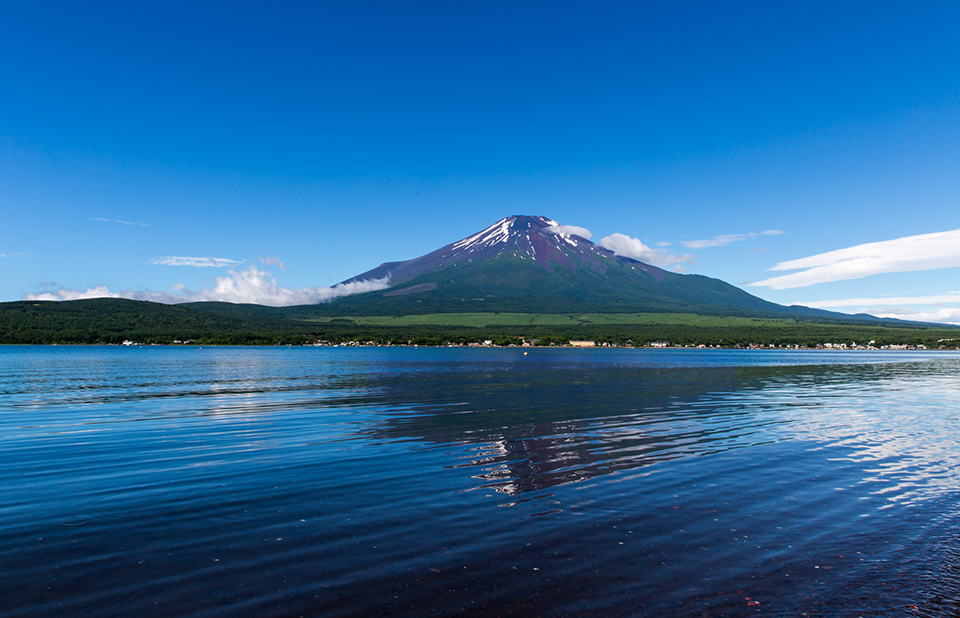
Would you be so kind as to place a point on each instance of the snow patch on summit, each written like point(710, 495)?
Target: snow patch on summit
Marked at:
point(496, 233)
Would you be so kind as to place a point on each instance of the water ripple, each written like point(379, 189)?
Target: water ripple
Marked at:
point(357, 482)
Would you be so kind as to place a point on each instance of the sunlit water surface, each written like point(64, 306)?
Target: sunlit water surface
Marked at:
point(440, 482)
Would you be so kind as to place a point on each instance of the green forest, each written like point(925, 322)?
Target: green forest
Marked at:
point(114, 321)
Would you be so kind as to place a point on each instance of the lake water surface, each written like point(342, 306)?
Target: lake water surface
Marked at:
point(478, 482)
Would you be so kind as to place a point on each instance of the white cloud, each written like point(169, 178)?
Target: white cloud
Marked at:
point(907, 254)
point(14, 254)
point(570, 230)
point(177, 260)
point(247, 286)
point(951, 297)
point(625, 246)
point(118, 221)
point(273, 261)
point(725, 239)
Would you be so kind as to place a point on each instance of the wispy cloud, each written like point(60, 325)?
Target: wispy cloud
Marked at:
point(4, 254)
point(626, 246)
point(246, 286)
point(119, 221)
point(725, 239)
point(273, 261)
point(177, 260)
point(907, 254)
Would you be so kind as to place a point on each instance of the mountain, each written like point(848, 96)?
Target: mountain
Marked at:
point(532, 264)
point(520, 264)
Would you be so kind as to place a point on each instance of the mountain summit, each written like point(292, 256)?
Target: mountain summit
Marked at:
point(539, 240)
point(534, 264)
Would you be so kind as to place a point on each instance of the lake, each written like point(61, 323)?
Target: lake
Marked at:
point(180, 481)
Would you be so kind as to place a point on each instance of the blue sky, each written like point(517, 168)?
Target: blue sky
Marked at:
point(265, 151)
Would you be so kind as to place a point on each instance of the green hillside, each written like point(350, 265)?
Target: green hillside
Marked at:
point(112, 321)
point(512, 284)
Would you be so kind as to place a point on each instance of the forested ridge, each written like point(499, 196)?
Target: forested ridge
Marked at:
point(113, 321)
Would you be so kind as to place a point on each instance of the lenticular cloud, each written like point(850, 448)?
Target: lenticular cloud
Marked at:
point(907, 254)
point(251, 286)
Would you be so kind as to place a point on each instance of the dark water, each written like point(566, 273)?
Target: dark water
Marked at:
point(434, 482)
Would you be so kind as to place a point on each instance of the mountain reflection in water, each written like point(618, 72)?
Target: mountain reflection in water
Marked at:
point(543, 426)
point(538, 425)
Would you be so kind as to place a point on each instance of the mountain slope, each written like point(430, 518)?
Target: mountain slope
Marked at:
point(526, 263)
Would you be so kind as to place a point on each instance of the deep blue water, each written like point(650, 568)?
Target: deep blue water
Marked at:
point(479, 482)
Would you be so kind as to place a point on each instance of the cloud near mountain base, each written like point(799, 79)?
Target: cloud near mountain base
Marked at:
point(946, 315)
point(100, 291)
point(251, 286)
point(931, 308)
